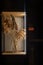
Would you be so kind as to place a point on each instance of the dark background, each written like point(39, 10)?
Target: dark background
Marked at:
point(34, 17)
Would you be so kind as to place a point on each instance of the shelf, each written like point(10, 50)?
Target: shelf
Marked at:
point(15, 13)
point(17, 53)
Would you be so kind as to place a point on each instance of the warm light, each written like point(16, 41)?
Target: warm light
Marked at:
point(31, 28)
